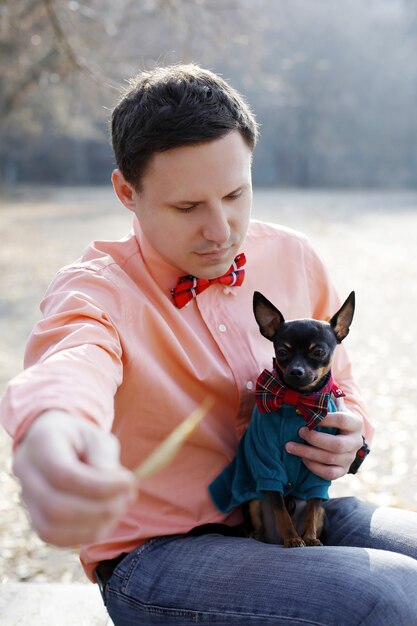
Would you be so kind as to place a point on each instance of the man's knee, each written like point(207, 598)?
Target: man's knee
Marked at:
point(389, 591)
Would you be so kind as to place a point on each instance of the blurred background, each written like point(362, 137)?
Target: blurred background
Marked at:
point(334, 87)
point(333, 84)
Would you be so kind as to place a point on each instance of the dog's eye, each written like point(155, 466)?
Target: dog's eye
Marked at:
point(282, 353)
point(318, 353)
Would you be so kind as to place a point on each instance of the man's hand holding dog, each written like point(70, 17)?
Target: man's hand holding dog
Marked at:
point(330, 456)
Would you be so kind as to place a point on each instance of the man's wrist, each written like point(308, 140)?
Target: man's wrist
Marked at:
point(28, 423)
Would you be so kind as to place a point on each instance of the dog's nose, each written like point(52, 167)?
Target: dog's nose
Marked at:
point(297, 372)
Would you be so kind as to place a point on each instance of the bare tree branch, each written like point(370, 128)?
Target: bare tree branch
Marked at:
point(26, 85)
point(67, 48)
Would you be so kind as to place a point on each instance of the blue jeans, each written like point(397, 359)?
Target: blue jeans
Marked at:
point(366, 575)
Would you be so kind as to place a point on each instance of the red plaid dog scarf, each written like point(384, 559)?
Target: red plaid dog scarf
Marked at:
point(188, 287)
point(271, 394)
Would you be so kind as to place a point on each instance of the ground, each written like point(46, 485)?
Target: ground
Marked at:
point(368, 240)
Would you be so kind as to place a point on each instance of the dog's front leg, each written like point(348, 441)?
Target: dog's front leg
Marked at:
point(284, 521)
point(254, 512)
point(313, 522)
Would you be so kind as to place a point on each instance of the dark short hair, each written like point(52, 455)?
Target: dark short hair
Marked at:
point(173, 106)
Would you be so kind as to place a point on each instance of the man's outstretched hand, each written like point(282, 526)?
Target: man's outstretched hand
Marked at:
point(72, 482)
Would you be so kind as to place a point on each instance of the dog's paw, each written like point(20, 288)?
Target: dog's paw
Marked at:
point(258, 536)
point(312, 542)
point(294, 542)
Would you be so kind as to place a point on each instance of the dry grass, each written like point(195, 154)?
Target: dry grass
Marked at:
point(368, 241)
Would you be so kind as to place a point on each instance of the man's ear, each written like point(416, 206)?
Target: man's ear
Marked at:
point(123, 190)
point(267, 316)
point(341, 320)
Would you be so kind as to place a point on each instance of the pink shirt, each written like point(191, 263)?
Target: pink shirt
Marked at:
point(112, 347)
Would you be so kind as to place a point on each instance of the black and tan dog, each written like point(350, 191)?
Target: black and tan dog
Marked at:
point(299, 391)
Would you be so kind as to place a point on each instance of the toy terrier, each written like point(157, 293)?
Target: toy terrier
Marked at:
point(299, 391)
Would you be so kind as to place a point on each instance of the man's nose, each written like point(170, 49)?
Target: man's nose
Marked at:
point(217, 227)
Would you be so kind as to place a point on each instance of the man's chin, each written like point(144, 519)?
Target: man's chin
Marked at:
point(211, 265)
point(210, 269)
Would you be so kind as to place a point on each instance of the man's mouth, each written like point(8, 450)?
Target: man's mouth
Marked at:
point(213, 255)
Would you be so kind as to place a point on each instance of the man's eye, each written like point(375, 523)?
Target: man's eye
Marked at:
point(185, 209)
point(234, 196)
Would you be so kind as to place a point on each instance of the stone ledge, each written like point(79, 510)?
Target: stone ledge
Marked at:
point(45, 604)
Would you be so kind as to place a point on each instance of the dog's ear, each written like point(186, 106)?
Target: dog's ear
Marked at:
point(267, 316)
point(342, 320)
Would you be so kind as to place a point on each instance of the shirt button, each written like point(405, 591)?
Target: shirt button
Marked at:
point(249, 385)
point(222, 328)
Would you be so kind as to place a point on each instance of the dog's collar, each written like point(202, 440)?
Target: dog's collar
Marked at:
point(272, 393)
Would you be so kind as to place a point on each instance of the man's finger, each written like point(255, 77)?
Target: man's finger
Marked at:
point(318, 455)
point(64, 471)
point(336, 444)
point(344, 421)
point(68, 535)
point(327, 472)
point(101, 450)
point(65, 518)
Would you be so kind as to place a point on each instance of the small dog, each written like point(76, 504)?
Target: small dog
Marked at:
point(298, 392)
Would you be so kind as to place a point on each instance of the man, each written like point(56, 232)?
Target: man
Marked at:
point(120, 359)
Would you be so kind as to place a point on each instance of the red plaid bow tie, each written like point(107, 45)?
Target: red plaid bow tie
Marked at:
point(188, 287)
point(271, 394)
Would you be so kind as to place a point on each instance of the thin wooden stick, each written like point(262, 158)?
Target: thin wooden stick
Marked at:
point(167, 450)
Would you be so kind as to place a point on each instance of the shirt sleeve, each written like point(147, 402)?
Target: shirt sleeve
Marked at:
point(73, 356)
point(325, 302)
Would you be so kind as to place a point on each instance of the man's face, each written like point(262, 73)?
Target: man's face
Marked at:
point(194, 204)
